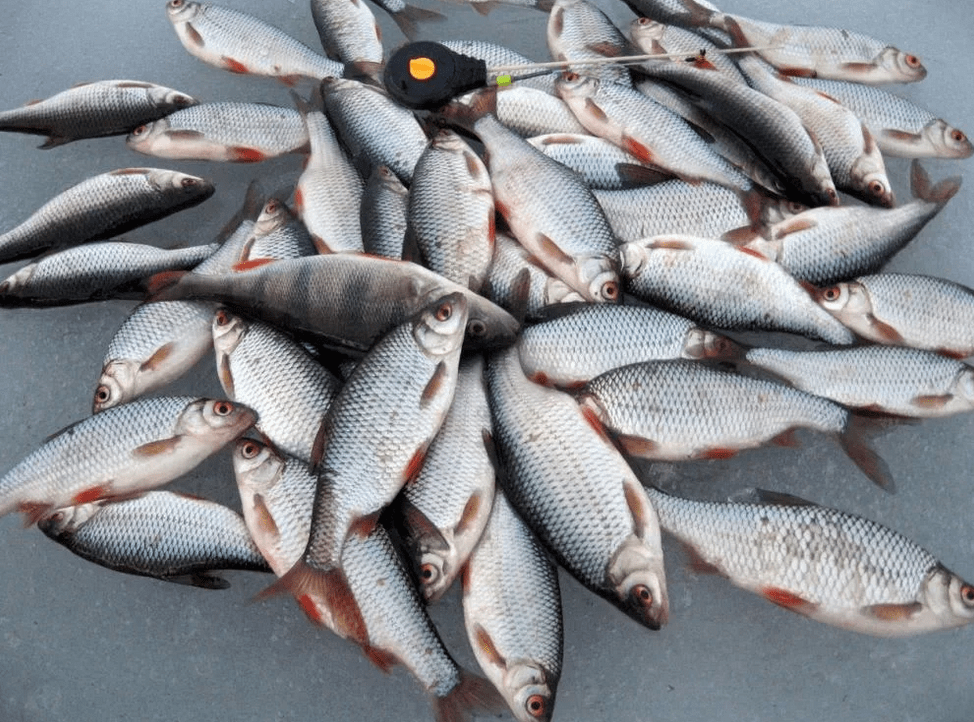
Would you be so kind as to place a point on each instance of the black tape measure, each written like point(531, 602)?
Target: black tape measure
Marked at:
point(427, 75)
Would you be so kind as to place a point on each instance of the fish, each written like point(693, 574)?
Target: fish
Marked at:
point(94, 110)
point(484, 7)
point(227, 131)
point(518, 284)
point(120, 452)
point(812, 51)
point(566, 231)
point(450, 211)
point(825, 564)
point(901, 128)
point(277, 234)
point(344, 300)
point(656, 38)
point(348, 30)
point(241, 43)
point(408, 16)
point(882, 379)
point(530, 111)
point(578, 31)
point(161, 534)
point(94, 272)
point(374, 127)
point(568, 483)
point(383, 214)
point(582, 341)
point(328, 195)
point(103, 206)
point(512, 614)
point(601, 165)
point(903, 309)
point(681, 410)
point(445, 509)
point(278, 495)
point(823, 246)
point(854, 159)
point(647, 130)
point(373, 441)
point(265, 370)
point(718, 284)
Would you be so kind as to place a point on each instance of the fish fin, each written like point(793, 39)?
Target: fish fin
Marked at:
point(553, 251)
point(893, 612)
point(592, 417)
point(298, 201)
point(931, 401)
point(637, 446)
point(699, 15)
point(741, 236)
point(520, 296)
point(940, 193)
point(786, 439)
point(636, 149)
point(156, 359)
point(484, 7)
point(433, 386)
point(751, 252)
point(857, 67)
point(606, 49)
point(329, 586)
point(185, 134)
point(320, 245)
point(381, 658)
point(158, 447)
point(889, 334)
point(810, 288)
point(900, 135)
point(159, 283)
point(486, 645)
point(671, 244)
point(409, 16)
point(415, 465)
point(363, 526)
point(797, 72)
point(593, 108)
point(243, 154)
point(289, 80)
point(318, 446)
point(311, 610)
point(470, 514)
point(788, 600)
point(769, 497)
point(637, 503)
point(471, 694)
point(194, 36)
point(34, 511)
point(91, 494)
point(251, 264)
point(53, 141)
point(854, 443)
point(265, 520)
point(696, 563)
point(793, 225)
point(541, 379)
point(234, 66)
point(226, 375)
point(203, 580)
point(422, 528)
point(641, 175)
point(253, 202)
point(466, 114)
point(717, 452)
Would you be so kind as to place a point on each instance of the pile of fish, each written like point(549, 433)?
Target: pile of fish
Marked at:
point(447, 348)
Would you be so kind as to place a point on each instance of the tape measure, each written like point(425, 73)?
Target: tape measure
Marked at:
point(426, 75)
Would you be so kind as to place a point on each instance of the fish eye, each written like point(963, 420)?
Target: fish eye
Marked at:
point(610, 290)
point(428, 573)
point(832, 293)
point(877, 188)
point(644, 21)
point(967, 594)
point(535, 705)
point(641, 595)
point(102, 394)
point(795, 207)
point(175, 3)
point(477, 327)
point(571, 77)
point(957, 136)
point(913, 61)
point(271, 206)
point(222, 318)
point(141, 130)
point(444, 312)
point(250, 449)
point(222, 408)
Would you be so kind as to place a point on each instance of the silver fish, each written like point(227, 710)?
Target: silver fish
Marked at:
point(123, 450)
point(529, 111)
point(577, 493)
point(681, 410)
point(348, 30)
point(235, 132)
point(265, 370)
point(886, 379)
point(717, 284)
point(578, 31)
point(446, 507)
point(277, 234)
point(93, 110)
point(656, 38)
point(906, 310)
point(161, 534)
point(571, 349)
point(103, 206)
point(451, 211)
point(512, 612)
point(93, 272)
point(383, 214)
point(241, 43)
point(828, 565)
point(372, 441)
point(601, 164)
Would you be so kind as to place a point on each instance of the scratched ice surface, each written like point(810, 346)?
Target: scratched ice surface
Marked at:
point(78, 642)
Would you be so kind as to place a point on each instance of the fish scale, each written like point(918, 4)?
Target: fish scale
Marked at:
point(383, 213)
point(160, 534)
point(835, 567)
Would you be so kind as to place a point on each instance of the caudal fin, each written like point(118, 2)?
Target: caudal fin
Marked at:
point(410, 16)
point(472, 694)
point(856, 446)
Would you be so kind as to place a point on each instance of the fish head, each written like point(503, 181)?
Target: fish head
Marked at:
point(599, 278)
point(274, 215)
point(216, 420)
point(15, 284)
point(440, 327)
point(435, 571)
point(946, 140)
point(963, 386)
point(632, 258)
point(529, 693)
point(948, 601)
point(181, 11)
point(170, 99)
point(64, 523)
point(150, 138)
point(228, 330)
point(571, 85)
point(257, 468)
point(638, 581)
point(647, 33)
point(905, 68)
point(776, 210)
point(177, 183)
point(119, 382)
point(869, 179)
point(847, 301)
point(701, 344)
point(489, 325)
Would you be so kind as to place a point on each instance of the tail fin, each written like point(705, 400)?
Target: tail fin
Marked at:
point(164, 286)
point(856, 446)
point(409, 16)
point(940, 193)
point(465, 113)
point(471, 694)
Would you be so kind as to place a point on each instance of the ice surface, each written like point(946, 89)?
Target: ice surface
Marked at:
point(80, 643)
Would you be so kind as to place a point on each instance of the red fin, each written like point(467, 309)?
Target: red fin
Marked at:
point(741, 236)
point(552, 251)
point(786, 438)
point(89, 495)
point(226, 377)
point(717, 453)
point(329, 587)
point(265, 520)
point(671, 244)
point(931, 401)
point(486, 645)
point(733, 28)
point(751, 252)
point(637, 446)
point(381, 658)
point(185, 134)
point(634, 148)
point(472, 694)
point(289, 80)
point(242, 154)
point(886, 332)
point(469, 515)
point(793, 225)
point(855, 445)
point(540, 378)
point(310, 609)
point(784, 598)
point(298, 200)
point(407, 18)
point(234, 66)
point(606, 49)
point(858, 67)
point(414, 466)
point(156, 359)
point(798, 72)
point(156, 448)
point(697, 563)
point(595, 111)
point(252, 264)
point(893, 612)
point(592, 417)
point(34, 511)
point(162, 281)
point(433, 386)
point(320, 246)
point(363, 526)
point(636, 501)
point(920, 186)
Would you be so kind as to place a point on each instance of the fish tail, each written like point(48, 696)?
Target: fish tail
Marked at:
point(410, 16)
point(921, 188)
point(857, 447)
point(699, 15)
point(165, 286)
point(471, 694)
point(464, 115)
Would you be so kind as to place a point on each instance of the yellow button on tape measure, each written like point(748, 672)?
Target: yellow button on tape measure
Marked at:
point(421, 68)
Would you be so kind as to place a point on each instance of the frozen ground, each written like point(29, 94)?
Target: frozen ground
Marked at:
point(80, 643)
